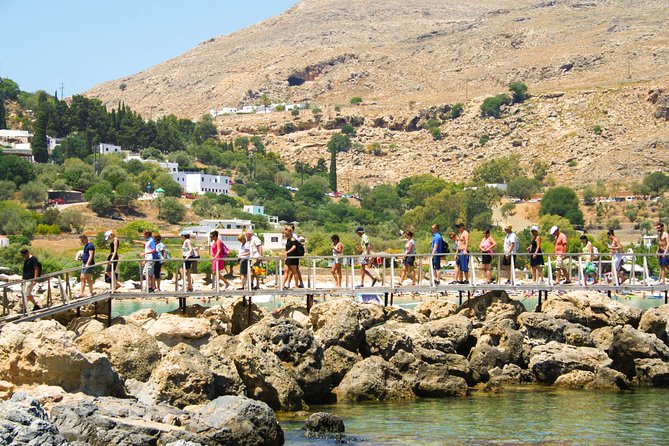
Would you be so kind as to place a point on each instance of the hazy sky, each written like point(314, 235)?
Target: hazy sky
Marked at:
point(82, 43)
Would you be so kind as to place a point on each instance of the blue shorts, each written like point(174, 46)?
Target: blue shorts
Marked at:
point(463, 262)
point(664, 260)
point(436, 262)
point(88, 270)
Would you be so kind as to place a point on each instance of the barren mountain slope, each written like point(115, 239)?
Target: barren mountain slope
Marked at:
point(399, 50)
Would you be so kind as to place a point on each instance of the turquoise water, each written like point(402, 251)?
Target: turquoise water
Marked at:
point(528, 415)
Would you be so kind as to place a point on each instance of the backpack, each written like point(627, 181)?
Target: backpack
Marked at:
point(299, 249)
point(443, 247)
point(225, 250)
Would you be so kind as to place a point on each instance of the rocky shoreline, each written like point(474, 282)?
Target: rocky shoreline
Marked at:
point(210, 378)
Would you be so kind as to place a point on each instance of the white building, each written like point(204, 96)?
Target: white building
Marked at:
point(254, 209)
point(108, 149)
point(273, 241)
point(199, 183)
point(231, 223)
point(15, 136)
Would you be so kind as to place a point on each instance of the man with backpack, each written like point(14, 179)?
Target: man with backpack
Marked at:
point(437, 248)
point(32, 269)
point(255, 246)
point(365, 250)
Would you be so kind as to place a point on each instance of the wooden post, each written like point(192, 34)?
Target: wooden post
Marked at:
point(48, 292)
point(385, 299)
point(539, 303)
point(109, 312)
point(310, 302)
point(250, 313)
point(460, 298)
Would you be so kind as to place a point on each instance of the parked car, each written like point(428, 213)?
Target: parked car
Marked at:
point(187, 195)
point(56, 201)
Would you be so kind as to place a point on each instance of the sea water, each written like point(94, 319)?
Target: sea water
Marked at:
point(523, 415)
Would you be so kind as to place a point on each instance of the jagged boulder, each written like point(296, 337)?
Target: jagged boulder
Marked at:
point(227, 420)
point(338, 323)
point(173, 329)
point(656, 321)
point(479, 306)
point(44, 352)
point(293, 310)
point(219, 352)
point(404, 315)
point(233, 316)
point(324, 422)
point(385, 342)
point(455, 329)
point(553, 359)
point(652, 371)
point(337, 362)
point(373, 379)
point(436, 309)
point(86, 324)
point(266, 379)
point(599, 310)
point(23, 420)
point(601, 378)
point(548, 328)
point(181, 379)
point(628, 344)
point(564, 309)
point(131, 350)
point(432, 380)
point(138, 318)
point(298, 350)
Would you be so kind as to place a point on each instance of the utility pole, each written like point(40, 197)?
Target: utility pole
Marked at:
point(62, 87)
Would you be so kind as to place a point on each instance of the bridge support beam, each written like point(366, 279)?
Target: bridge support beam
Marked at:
point(459, 298)
point(385, 299)
point(109, 312)
point(310, 302)
point(182, 304)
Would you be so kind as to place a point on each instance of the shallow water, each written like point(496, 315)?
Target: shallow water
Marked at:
point(520, 416)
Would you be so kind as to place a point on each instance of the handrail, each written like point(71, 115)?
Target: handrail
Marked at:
point(574, 264)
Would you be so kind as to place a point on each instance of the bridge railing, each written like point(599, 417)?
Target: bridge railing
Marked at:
point(580, 269)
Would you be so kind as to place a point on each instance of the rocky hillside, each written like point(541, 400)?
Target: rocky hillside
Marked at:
point(586, 62)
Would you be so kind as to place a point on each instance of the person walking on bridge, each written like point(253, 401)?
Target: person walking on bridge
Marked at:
point(560, 251)
point(662, 251)
point(617, 258)
point(510, 251)
point(32, 269)
point(436, 249)
point(87, 260)
point(463, 253)
point(365, 251)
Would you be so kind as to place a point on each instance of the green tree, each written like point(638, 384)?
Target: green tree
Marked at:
point(16, 169)
point(539, 170)
point(518, 92)
point(656, 182)
point(167, 183)
point(348, 130)
point(414, 190)
point(456, 111)
point(39, 142)
point(3, 114)
point(170, 210)
point(114, 175)
point(492, 106)
point(588, 196)
point(333, 169)
point(9, 90)
point(205, 129)
point(241, 143)
point(126, 194)
point(355, 100)
point(562, 201)
point(523, 188)
point(312, 192)
point(499, 170)
point(7, 189)
point(339, 142)
point(383, 200)
point(101, 204)
point(33, 194)
point(102, 188)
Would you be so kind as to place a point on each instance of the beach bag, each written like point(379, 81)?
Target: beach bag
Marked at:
point(226, 250)
point(299, 249)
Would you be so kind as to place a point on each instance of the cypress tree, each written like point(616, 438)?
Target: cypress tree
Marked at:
point(333, 169)
point(39, 143)
point(3, 117)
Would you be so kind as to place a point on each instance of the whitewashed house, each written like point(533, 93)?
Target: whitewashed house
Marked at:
point(108, 149)
point(254, 209)
point(199, 183)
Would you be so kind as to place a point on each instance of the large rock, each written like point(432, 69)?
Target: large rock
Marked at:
point(656, 321)
point(652, 371)
point(266, 379)
point(337, 362)
point(455, 329)
point(220, 352)
point(436, 309)
point(23, 420)
point(431, 380)
point(553, 359)
point(293, 310)
point(131, 350)
point(44, 352)
point(182, 378)
point(598, 309)
point(404, 315)
point(564, 309)
point(602, 378)
point(373, 379)
point(479, 306)
point(83, 325)
point(324, 422)
point(338, 323)
point(385, 342)
point(548, 328)
point(234, 316)
point(628, 344)
point(235, 421)
point(139, 318)
point(298, 350)
point(172, 329)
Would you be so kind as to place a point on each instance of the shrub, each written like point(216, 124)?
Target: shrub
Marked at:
point(348, 129)
point(170, 210)
point(70, 218)
point(43, 229)
point(432, 122)
point(295, 112)
point(562, 201)
point(337, 108)
point(597, 129)
point(456, 111)
point(280, 108)
point(355, 100)
point(128, 271)
point(492, 105)
point(101, 205)
point(573, 163)
point(135, 228)
point(436, 133)
point(122, 86)
point(518, 91)
point(33, 194)
point(483, 140)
